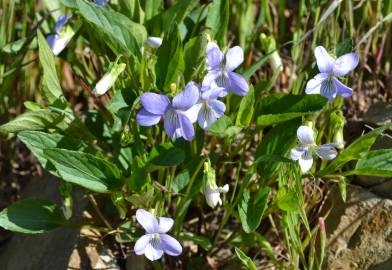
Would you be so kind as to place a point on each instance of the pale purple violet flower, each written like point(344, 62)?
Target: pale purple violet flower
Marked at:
point(209, 107)
point(304, 152)
point(101, 2)
point(59, 40)
point(156, 242)
point(221, 69)
point(177, 116)
point(326, 83)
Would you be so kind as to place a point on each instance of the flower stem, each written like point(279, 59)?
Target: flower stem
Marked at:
point(96, 208)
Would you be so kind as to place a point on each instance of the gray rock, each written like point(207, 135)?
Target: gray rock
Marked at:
point(379, 113)
point(359, 232)
point(47, 251)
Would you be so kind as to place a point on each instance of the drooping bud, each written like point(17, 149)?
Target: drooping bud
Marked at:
point(338, 121)
point(211, 190)
point(269, 45)
point(108, 80)
point(309, 123)
point(154, 42)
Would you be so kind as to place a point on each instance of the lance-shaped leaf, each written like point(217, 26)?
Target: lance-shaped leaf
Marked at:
point(245, 112)
point(281, 107)
point(86, 170)
point(247, 262)
point(375, 163)
point(251, 211)
point(51, 88)
point(31, 216)
point(355, 150)
point(218, 20)
point(170, 59)
point(37, 141)
point(194, 54)
point(166, 155)
point(162, 22)
point(35, 120)
point(121, 34)
point(277, 141)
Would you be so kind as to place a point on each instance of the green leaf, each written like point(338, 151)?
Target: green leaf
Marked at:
point(246, 12)
point(202, 241)
point(139, 175)
point(121, 105)
point(121, 99)
point(287, 200)
point(277, 142)
point(375, 163)
point(220, 126)
point(132, 9)
point(170, 59)
point(36, 120)
point(248, 263)
point(85, 170)
point(245, 112)
point(257, 65)
point(194, 54)
point(342, 184)
point(251, 212)
point(37, 141)
point(125, 234)
point(120, 33)
point(354, 151)
point(218, 20)
point(152, 8)
point(14, 46)
point(273, 158)
point(31, 216)
point(346, 46)
point(163, 22)
point(51, 88)
point(166, 155)
point(181, 181)
point(281, 107)
point(69, 3)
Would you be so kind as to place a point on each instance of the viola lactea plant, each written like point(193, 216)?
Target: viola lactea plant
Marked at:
point(184, 149)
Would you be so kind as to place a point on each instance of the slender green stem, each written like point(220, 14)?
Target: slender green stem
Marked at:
point(100, 215)
point(188, 190)
point(169, 184)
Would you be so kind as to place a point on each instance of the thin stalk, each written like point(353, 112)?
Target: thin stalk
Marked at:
point(169, 183)
point(229, 211)
point(188, 190)
point(96, 208)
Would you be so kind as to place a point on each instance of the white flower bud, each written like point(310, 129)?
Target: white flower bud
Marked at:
point(108, 80)
point(154, 42)
point(211, 190)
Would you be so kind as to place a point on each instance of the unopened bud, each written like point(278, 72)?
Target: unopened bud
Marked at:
point(269, 45)
point(338, 121)
point(211, 190)
point(108, 80)
point(173, 87)
point(154, 42)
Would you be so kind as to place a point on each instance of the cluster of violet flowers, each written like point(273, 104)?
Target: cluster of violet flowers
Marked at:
point(197, 102)
point(327, 84)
